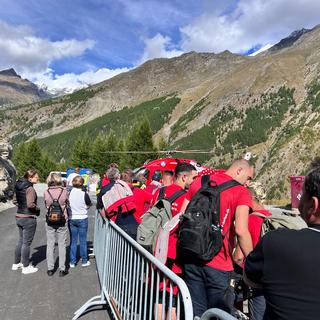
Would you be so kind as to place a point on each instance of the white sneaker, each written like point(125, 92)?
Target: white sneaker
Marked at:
point(29, 269)
point(87, 264)
point(72, 265)
point(16, 266)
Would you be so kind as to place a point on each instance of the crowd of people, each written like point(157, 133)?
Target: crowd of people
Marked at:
point(72, 202)
point(279, 269)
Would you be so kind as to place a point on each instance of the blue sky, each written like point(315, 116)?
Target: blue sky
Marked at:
point(70, 43)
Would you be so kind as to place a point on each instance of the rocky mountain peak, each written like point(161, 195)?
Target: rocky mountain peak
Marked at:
point(290, 40)
point(9, 73)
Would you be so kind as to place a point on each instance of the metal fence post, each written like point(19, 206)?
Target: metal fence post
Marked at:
point(216, 313)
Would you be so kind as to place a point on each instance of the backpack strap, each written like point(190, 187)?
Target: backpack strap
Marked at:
point(258, 214)
point(205, 180)
point(59, 194)
point(227, 185)
point(176, 195)
point(161, 193)
point(216, 199)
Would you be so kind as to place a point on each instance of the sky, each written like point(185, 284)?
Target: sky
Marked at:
point(66, 44)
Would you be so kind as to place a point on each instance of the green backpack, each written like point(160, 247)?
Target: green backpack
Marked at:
point(280, 218)
point(154, 219)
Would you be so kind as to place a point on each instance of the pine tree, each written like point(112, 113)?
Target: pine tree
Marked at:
point(46, 165)
point(29, 155)
point(99, 151)
point(20, 159)
point(122, 156)
point(113, 147)
point(82, 152)
point(140, 139)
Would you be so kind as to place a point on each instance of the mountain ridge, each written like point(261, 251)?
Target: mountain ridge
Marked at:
point(268, 104)
point(14, 90)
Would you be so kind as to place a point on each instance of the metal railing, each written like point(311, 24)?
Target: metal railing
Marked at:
point(133, 282)
point(216, 314)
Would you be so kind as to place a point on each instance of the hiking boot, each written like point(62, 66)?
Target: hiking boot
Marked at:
point(86, 264)
point(29, 269)
point(63, 273)
point(50, 273)
point(16, 266)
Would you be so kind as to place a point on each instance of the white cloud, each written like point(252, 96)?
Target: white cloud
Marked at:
point(250, 23)
point(27, 53)
point(69, 82)
point(159, 47)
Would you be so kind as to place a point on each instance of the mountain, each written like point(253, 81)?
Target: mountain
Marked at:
point(14, 90)
point(289, 41)
point(226, 104)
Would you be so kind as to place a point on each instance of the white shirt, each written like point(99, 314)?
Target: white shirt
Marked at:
point(79, 208)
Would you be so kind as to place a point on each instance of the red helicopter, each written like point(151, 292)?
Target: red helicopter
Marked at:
point(163, 165)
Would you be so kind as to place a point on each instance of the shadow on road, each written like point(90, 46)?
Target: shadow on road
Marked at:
point(39, 254)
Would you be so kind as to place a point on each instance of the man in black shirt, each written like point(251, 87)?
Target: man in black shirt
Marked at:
point(286, 263)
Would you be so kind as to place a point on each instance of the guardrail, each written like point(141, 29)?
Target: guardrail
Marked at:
point(216, 314)
point(133, 282)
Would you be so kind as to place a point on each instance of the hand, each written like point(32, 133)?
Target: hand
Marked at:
point(37, 211)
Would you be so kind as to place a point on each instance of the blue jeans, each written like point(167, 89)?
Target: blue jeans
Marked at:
point(78, 227)
point(257, 306)
point(208, 287)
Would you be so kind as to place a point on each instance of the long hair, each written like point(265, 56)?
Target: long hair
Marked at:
point(30, 173)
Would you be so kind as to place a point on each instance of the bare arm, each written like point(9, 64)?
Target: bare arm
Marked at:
point(184, 205)
point(242, 231)
point(238, 256)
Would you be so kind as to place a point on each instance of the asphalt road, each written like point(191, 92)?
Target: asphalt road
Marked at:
point(37, 296)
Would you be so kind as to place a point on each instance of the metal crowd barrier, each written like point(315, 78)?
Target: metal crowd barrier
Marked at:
point(216, 314)
point(133, 282)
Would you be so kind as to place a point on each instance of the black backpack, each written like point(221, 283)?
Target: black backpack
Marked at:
point(55, 216)
point(200, 234)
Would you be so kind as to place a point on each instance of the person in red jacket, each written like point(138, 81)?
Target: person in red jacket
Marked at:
point(141, 197)
point(257, 303)
point(184, 175)
point(209, 283)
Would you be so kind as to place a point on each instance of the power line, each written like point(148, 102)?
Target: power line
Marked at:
point(161, 151)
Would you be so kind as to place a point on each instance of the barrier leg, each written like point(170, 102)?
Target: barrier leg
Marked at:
point(219, 314)
point(90, 303)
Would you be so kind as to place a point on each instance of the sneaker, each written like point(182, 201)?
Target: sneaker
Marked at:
point(50, 273)
point(87, 264)
point(63, 273)
point(29, 269)
point(16, 266)
point(72, 265)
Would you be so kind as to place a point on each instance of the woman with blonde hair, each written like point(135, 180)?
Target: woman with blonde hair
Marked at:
point(56, 199)
point(78, 223)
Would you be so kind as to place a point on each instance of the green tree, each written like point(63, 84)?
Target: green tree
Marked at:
point(113, 148)
point(122, 154)
point(29, 155)
point(20, 158)
point(82, 152)
point(46, 165)
point(140, 140)
point(99, 150)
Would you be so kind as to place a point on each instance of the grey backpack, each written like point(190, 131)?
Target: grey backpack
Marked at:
point(280, 218)
point(155, 218)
